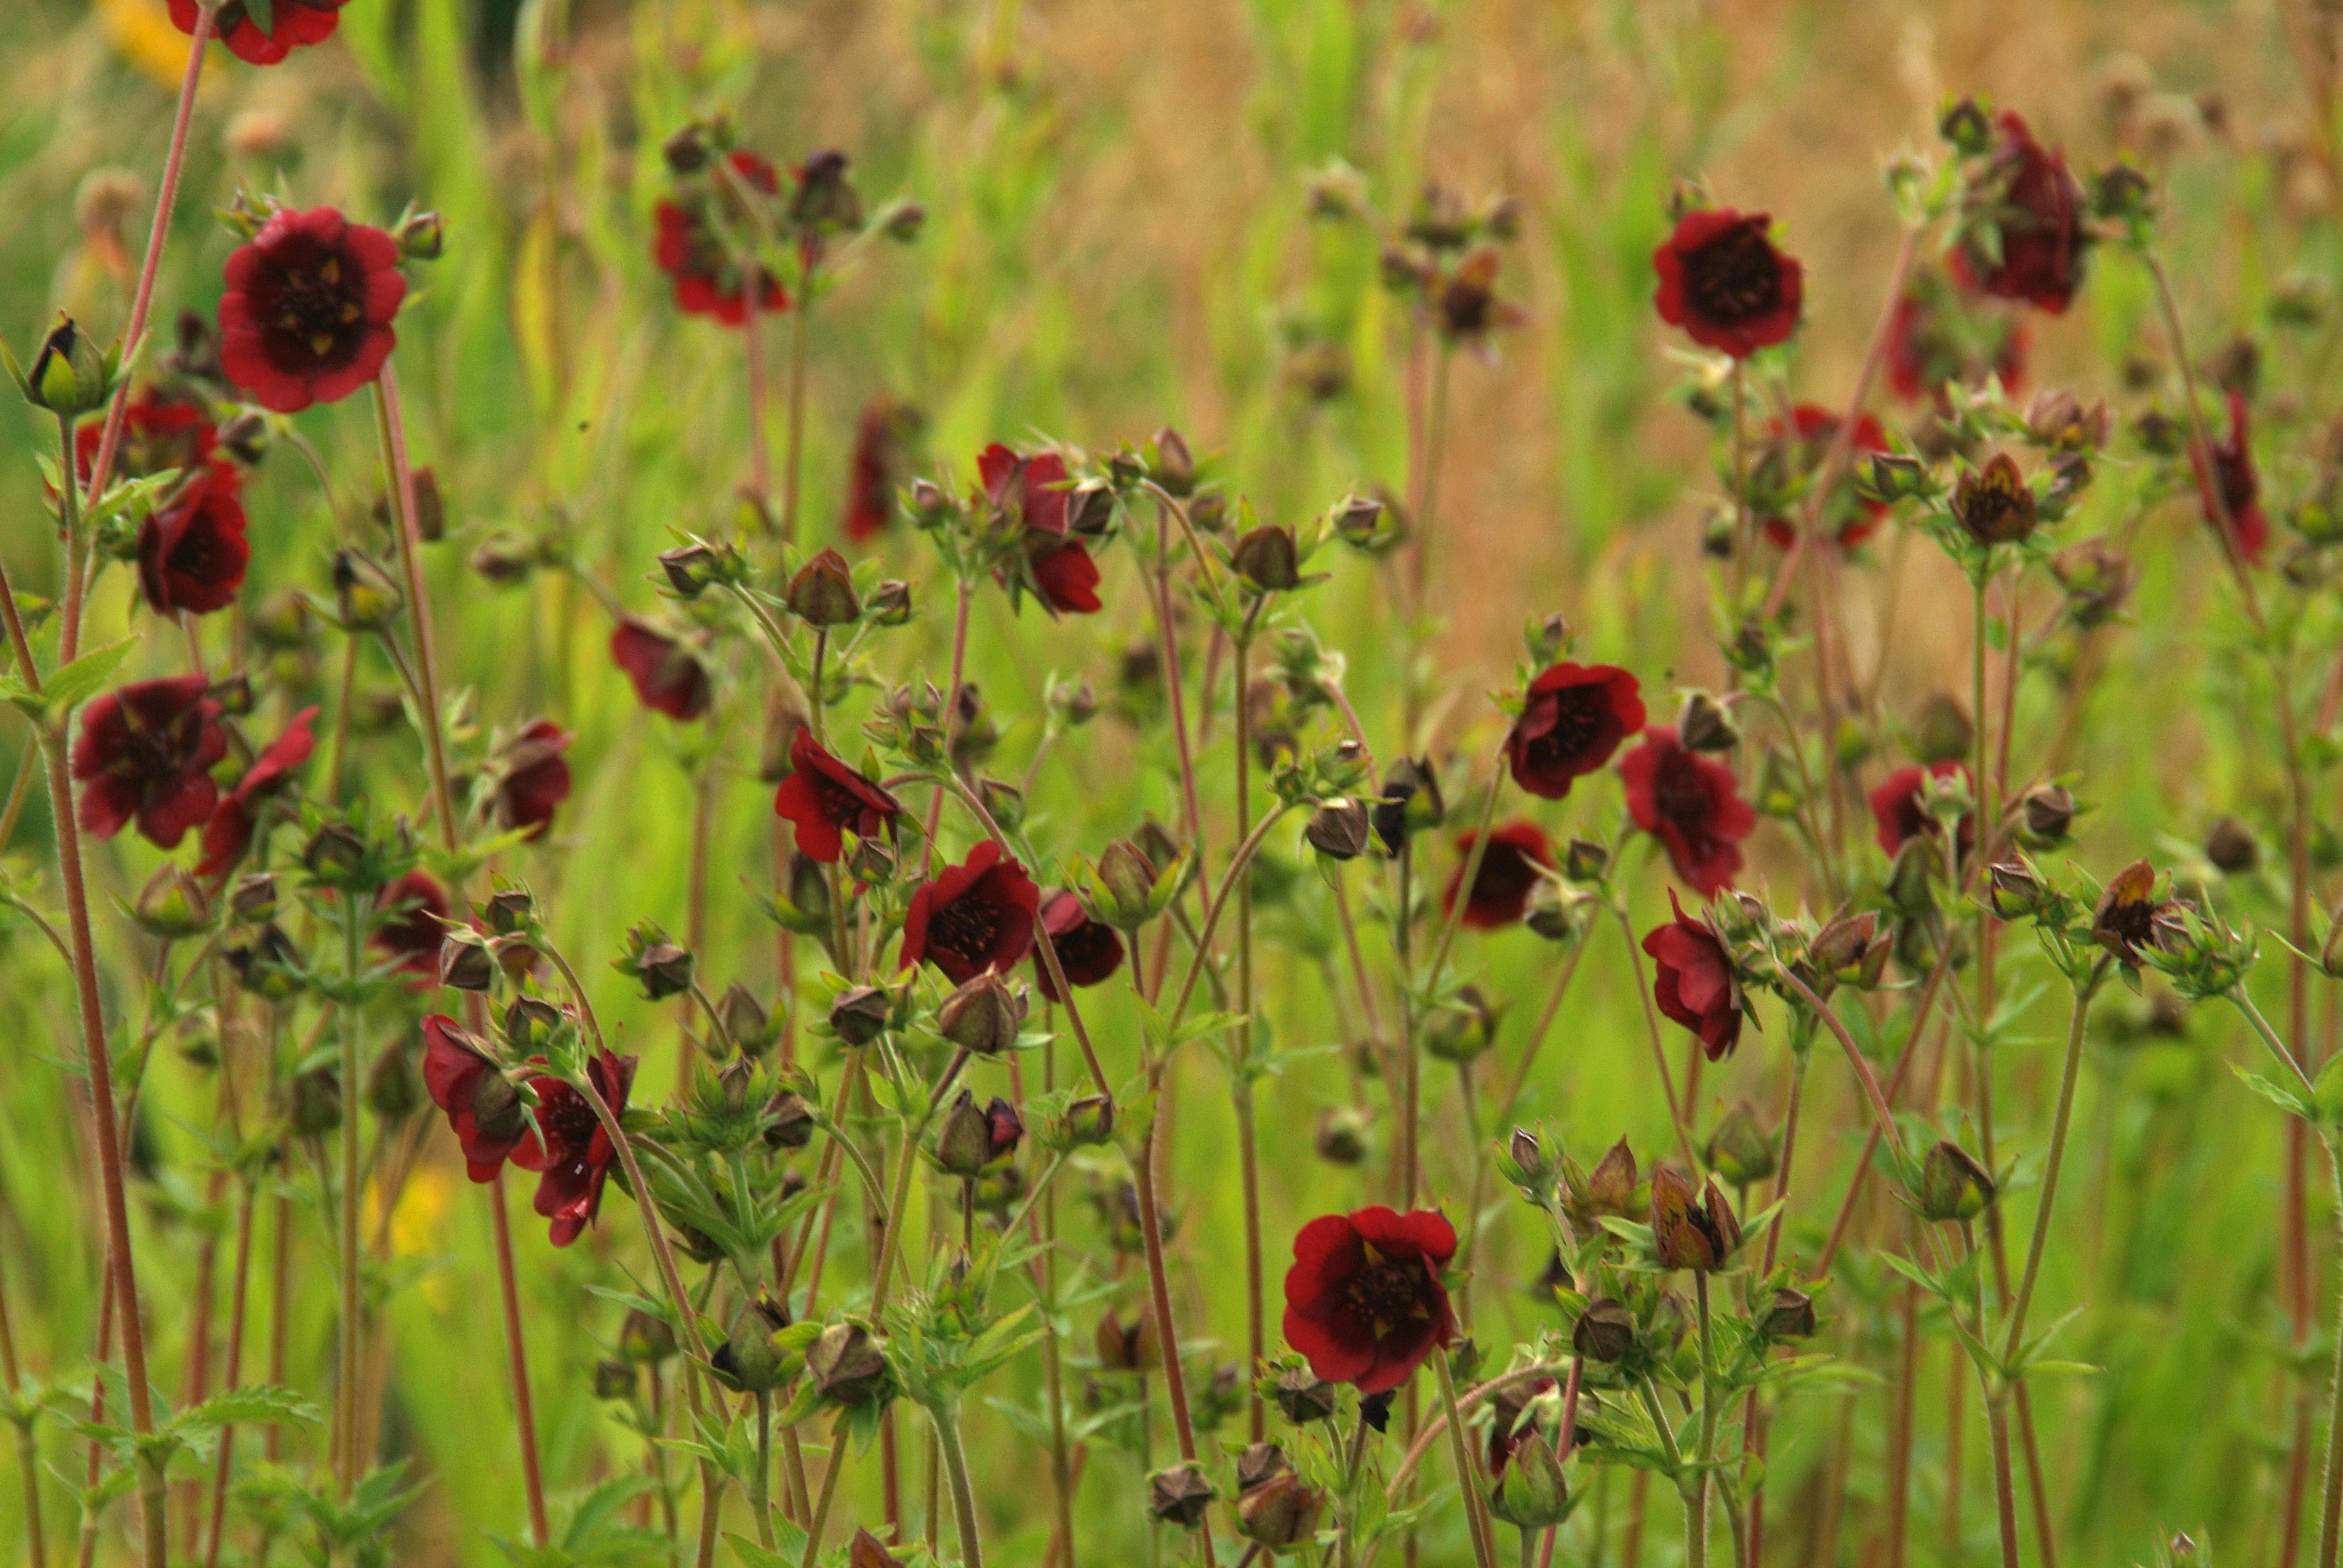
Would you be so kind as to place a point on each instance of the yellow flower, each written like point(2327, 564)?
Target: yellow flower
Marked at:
point(142, 30)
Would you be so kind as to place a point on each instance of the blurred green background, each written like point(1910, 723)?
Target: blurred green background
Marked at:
point(1118, 239)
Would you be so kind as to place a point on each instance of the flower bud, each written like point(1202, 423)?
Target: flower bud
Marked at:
point(1127, 878)
point(1281, 1510)
point(848, 1366)
point(889, 603)
point(745, 1022)
point(1605, 1330)
point(70, 374)
point(1530, 1162)
point(268, 965)
point(1087, 1122)
point(1357, 520)
point(1740, 1149)
point(529, 1023)
point(254, 900)
point(2230, 846)
point(1127, 1347)
point(1266, 558)
point(172, 904)
point(1953, 1185)
point(1533, 1493)
point(982, 1016)
point(366, 597)
point(686, 151)
point(1791, 1316)
point(1968, 128)
point(394, 1091)
point(1993, 505)
point(963, 1140)
point(1342, 1136)
point(789, 1121)
point(613, 1380)
point(1179, 1495)
point(691, 569)
point(861, 1015)
point(233, 693)
point(1612, 1188)
point(314, 1104)
point(663, 968)
point(465, 962)
point(1463, 1030)
point(1303, 1396)
point(1852, 950)
point(1174, 466)
point(748, 1362)
point(1691, 1227)
point(645, 1340)
point(822, 593)
point(336, 855)
point(422, 237)
point(2049, 810)
point(1707, 725)
point(1339, 829)
point(1411, 802)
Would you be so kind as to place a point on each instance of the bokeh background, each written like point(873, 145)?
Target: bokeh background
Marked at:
point(1118, 238)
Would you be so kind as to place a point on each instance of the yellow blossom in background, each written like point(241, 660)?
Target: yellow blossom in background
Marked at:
point(142, 30)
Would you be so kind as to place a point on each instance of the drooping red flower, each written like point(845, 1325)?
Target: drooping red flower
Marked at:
point(1898, 816)
point(1692, 981)
point(1794, 456)
point(710, 279)
point(417, 906)
point(192, 555)
point(975, 916)
point(1363, 1300)
point(1033, 489)
point(533, 779)
point(292, 22)
point(1692, 805)
point(147, 751)
point(2240, 485)
point(229, 832)
point(1724, 282)
point(824, 799)
point(877, 469)
point(1935, 341)
point(158, 432)
point(1066, 575)
point(1089, 951)
point(667, 676)
point(569, 1147)
point(1572, 719)
point(1508, 872)
point(483, 1108)
point(2037, 208)
point(307, 317)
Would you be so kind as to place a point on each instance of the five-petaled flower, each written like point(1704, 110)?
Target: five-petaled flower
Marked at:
point(1793, 460)
point(1363, 1300)
point(696, 252)
point(1572, 719)
point(1724, 282)
point(2036, 210)
point(1033, 490)
point(2240, 487)
point(1693, 982)
point(307, 317)
point(533, 779)
point(1691, 804)
point(1088, 949)
point(158, 432)
point(229, 832)
point(415, 924)
point(569, 1146)
point(147, 751)
point(667, 673)
point(975, 916)
point(193, 553)
point(292, 23)
point(484, 1110)
point(824, 799)
point(1899, 811)
point(1508, 874)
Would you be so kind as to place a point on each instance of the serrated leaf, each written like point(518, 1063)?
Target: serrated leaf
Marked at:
point(69, 687)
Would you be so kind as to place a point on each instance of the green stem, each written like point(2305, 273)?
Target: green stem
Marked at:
point(947, 1420)
point(829, 1475)
point(1485, 1551)
point(346, 1392)
point(1696, 1501)
point(2059, 1124)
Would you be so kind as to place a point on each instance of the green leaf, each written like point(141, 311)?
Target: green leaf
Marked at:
point(2290, 1100)
point(264, 16)
point(77, 682)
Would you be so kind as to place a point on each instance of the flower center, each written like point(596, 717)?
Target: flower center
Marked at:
point(317, 303)
point(1680, 792)
point(567, 1122)
point(1505, 876)
point(1578, 714)
point(1735, 277)
point(1085, 949)
point(968, 929)
point(1388, 1294)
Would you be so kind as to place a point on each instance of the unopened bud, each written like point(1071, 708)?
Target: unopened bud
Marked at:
point(1791, 1316)
point(1707, 725)
point(1179, 1495)
point(822, 593)
point(982, 1016)
point(1953, 1185)
point(1339, 829)
point(172, 904)
point(1266, 558)
point(1605, 1332)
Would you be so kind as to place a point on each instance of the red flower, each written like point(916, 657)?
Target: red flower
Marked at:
point(978, 915)
point(2037, 209)
point(2241, 487)
point(1031, 489)
point(877, 469)
point(1066, 577)
point(667, 675)
point(1509, 871)
point(569, 1145)
point(483, 1109)
point(1693, 983)
point(1363, 1300)
point(708, 277)
point(192, 557)
point(824, 799)
point(534, 779)
point(294, 23)
point(1932, 342)
point(147, 752)
point(1723, 282)
point(1089, 951)
point(229, 832)
point(308, 312)
point(413, 934)
point(1793, 460)
point(1572, 719)
point(1897, 815)
point(1690, 804)
point(157, 433)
